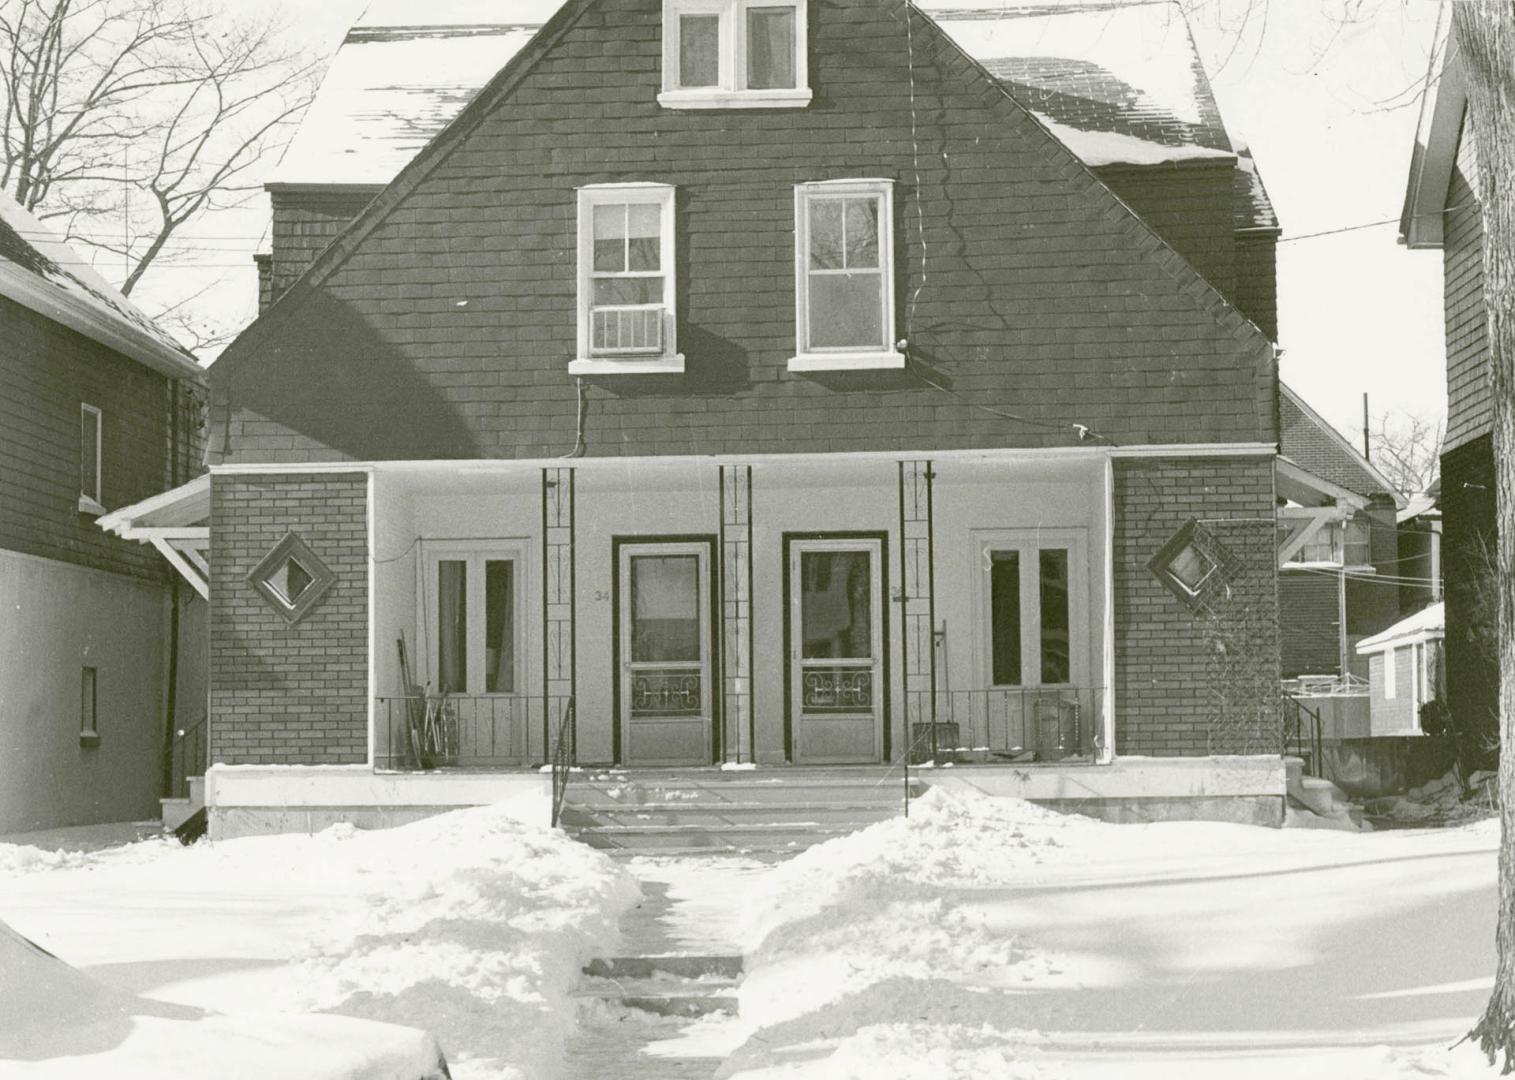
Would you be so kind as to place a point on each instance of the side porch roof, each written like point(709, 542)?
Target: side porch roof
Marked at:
point(177, 523)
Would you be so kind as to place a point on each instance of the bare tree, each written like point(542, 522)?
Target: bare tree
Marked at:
point(173, 100)
point(1483, 32)
point(1407, 449)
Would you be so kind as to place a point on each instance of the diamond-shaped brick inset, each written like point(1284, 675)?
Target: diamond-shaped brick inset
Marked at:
point(291, 578)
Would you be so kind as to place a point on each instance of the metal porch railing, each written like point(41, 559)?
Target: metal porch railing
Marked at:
point(1015, 724)
point(187, 757)
point(419, 732)
point(1302, 733)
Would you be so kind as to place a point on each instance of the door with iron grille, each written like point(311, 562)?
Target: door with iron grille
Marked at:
point(836, 650)
point(665, 652)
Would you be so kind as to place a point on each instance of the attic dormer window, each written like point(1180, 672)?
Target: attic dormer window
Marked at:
point(734, 54)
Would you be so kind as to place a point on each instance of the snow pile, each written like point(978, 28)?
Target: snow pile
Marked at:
point(472, 925)
point(988, 937)
point(477, 932)
point(1442, 801)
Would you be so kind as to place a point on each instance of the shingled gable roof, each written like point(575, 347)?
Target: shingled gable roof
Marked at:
point(1189, 281)
point(1306, 439)
point(38, 270)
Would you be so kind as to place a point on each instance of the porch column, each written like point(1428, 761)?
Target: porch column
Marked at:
point(559, 640)
point(736, 613)
point(917, 600)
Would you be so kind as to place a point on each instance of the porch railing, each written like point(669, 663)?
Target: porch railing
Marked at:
point(1303, 733)
point(562, 761)
point(186, 758)
point(418, 732)
point(1011, 724)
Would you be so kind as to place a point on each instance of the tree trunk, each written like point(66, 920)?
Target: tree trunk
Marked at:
point(1484, 36)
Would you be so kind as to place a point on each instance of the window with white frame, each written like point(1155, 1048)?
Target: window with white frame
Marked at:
point(626, 280)
point(844, 276)
point(1033, 613)
point(728, 54)
point(473, 604)
point(89, 459)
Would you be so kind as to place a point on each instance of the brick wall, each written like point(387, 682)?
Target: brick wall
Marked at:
point(1469, 401)
point(446, 332)
point(47, 372)
point(1169, 700)
point(280, 693)
point(1309, 617)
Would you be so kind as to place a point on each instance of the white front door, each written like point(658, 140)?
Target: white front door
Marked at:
point(836, 651)
point(666, 715)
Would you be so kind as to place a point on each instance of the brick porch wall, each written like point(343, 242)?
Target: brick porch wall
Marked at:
point(289, 694)
point(1168, 701)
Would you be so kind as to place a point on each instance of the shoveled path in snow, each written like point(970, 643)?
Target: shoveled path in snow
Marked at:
point(691, 908)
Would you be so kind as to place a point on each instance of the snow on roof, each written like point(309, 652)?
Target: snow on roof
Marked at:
point(1428, 622)
point(1253, 209)
point(41, 272)
point(1119, 83)
point(1423, 502)
point(402, 73)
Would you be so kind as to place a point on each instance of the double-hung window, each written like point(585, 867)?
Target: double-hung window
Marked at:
point(734, 54)
point(626, 280)
point(844, 276)
point(89, 459)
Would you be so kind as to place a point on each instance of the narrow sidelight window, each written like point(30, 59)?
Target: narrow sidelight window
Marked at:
point(499, 627)
point(452, 626)
point(1005, 616)
point(89, 454)
point(1056, 667)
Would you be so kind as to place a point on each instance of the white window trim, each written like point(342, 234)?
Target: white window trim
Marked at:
point(90, 503)
point(1028, 542)
point(586, 363)
point(731, 92)
point(865, 359)
point(474, 553)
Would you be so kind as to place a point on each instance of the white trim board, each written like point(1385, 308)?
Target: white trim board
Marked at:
point(1008, 454)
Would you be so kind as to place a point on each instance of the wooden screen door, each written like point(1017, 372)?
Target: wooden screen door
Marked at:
point(836, 650)
point(665, 653)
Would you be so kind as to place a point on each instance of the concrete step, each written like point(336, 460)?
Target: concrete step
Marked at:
point(1321, 796)
point(809, 792)
point(651, 967)
point(664, 839)
point(700, 815)
point(176, 812)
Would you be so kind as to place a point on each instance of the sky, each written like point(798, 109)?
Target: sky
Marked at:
point(1326, 93)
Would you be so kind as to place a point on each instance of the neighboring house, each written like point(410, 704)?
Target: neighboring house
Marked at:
point(1406, 672)
point(100, 408)
point(789, 385)
point(1442, 211)
point(1339, 577)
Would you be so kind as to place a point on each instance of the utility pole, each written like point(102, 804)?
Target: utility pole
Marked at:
point(1367, 451)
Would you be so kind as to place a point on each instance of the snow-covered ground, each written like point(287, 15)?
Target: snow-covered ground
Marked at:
point(472, 925)
point(978, 938)
point(993, 938)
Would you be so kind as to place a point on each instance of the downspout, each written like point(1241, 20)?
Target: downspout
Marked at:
point(171, 712)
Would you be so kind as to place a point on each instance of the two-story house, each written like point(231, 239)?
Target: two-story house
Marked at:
point(1442, 211)
point(781, 383)
point(98, 655)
